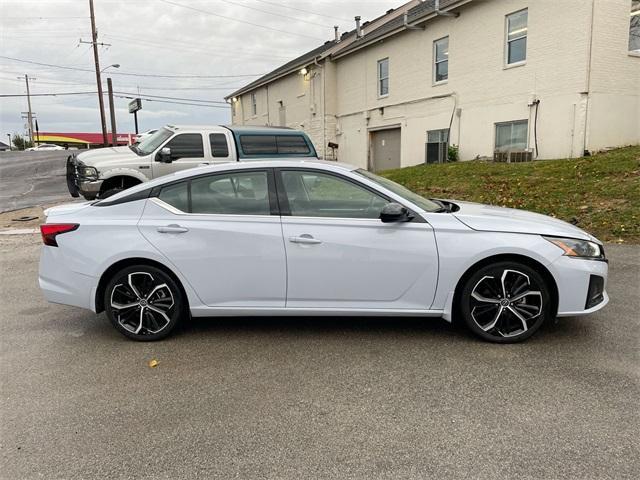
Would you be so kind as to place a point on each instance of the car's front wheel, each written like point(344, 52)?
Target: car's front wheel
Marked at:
point(505, 302)
point(144, 303)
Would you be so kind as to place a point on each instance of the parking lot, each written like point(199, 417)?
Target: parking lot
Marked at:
point(342, 398)
point(32, 179)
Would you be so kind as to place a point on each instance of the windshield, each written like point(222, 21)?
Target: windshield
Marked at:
point(405, 193)
point(151, 143)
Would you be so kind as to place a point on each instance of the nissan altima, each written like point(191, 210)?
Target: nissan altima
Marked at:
point(305, 237)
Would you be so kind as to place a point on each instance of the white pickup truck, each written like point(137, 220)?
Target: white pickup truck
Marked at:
point(102, 172)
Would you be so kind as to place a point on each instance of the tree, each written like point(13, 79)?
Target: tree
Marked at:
point(20, 142)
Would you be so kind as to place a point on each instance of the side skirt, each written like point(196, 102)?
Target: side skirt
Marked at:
point(316, 312)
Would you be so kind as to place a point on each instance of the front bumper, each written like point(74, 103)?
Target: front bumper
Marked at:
point(79, 185)
point(573, 278)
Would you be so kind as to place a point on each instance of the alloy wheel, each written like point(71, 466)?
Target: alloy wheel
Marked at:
point(142, 303)
point(506, 305)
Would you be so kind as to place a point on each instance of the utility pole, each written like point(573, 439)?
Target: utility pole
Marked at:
point(114, 135)
point(94, 41)
point(29, 113)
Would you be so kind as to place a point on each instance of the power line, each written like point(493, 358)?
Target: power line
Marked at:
point(302, 10)
point(168, 2)
point(213, 104)
point(14, 95)
point(134, 95)
point(276, 14)
point(174, 45)
point(151, 75)
point(141, 87)
point(128, 94)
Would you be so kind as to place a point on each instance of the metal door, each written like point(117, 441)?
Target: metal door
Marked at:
point(385, 149)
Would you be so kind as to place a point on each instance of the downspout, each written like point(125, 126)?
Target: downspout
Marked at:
point(588, 80)
point(268, 116)
point(324, 104)
point(441, 13)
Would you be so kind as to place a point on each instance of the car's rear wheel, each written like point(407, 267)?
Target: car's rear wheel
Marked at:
point(505, 302)
point(144, 303)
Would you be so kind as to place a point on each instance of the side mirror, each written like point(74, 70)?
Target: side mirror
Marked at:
point(394, 212)
point(164, 155)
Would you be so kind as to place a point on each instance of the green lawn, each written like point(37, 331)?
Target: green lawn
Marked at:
point(601, 192)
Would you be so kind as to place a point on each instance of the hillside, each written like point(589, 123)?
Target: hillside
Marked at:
point(601, 192)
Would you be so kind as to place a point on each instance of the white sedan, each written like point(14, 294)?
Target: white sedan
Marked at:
point(44, 147)
point(301, 237)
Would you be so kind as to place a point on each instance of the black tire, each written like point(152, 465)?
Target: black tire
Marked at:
point(108, 193)
point(513, 318)
point(151, 303)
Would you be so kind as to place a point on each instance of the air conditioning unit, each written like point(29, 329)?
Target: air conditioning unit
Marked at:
point(513, 156)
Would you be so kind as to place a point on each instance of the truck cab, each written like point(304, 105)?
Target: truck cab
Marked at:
point(102, 172)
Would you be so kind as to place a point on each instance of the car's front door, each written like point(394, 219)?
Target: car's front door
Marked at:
point(341, 255)
point(187, 151)
point(218, 230)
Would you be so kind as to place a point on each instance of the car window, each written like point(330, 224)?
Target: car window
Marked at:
point(152, 142)
point(274, 145)
point(424, 203)
point(186, 145)
point(219, 146)
point(176, 195)
point(241, 193)
point(315, 194)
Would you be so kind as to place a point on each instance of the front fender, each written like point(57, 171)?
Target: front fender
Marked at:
point(125, 172)
point(460, 251)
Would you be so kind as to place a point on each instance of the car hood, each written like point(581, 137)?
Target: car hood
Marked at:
point(100, 156)
point(488, 218)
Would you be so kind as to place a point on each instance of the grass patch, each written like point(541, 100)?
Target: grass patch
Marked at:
point(601, 192)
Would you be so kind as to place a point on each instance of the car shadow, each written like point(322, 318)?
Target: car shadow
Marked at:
point(318, 325)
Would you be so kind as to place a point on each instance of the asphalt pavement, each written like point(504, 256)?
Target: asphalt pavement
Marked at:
point(314, 398)
point(30, 179)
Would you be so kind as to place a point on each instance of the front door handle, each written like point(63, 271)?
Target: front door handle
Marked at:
point(305, 239)
point(173, 229)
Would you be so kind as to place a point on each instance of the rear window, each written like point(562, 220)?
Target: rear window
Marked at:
point(219, 147)
point(274, 145)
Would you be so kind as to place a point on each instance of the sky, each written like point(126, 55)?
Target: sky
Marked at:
point(215, 46)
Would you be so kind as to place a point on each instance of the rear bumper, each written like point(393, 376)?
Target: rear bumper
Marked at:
point(60, 284)
point(573, 277)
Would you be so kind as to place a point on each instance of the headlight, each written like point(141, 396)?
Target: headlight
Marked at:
point(88, 172)
point(573, 247)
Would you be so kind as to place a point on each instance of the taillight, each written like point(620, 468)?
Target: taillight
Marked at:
point(51, 230)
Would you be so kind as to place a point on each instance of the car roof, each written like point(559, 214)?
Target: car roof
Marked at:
point(302, 162)
point(261, 129)
point(237, 129)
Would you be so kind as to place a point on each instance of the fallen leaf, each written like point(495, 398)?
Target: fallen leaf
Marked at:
point(153, 363)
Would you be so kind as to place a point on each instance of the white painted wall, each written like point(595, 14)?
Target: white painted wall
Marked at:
point(589, 92)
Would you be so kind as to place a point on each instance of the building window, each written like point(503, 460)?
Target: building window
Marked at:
point(634, 27)
point(254, 104)
point(516, 47)
point(383, 77)
point(512, 136)
point(441, 60)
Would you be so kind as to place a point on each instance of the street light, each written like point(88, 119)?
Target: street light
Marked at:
point(115, 65)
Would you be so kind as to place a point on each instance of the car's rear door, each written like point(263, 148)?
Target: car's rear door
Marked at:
point(219, 231)
point(340, 255)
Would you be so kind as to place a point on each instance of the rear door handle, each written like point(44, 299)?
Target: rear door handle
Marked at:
point(173, 229)
point(305, 239)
